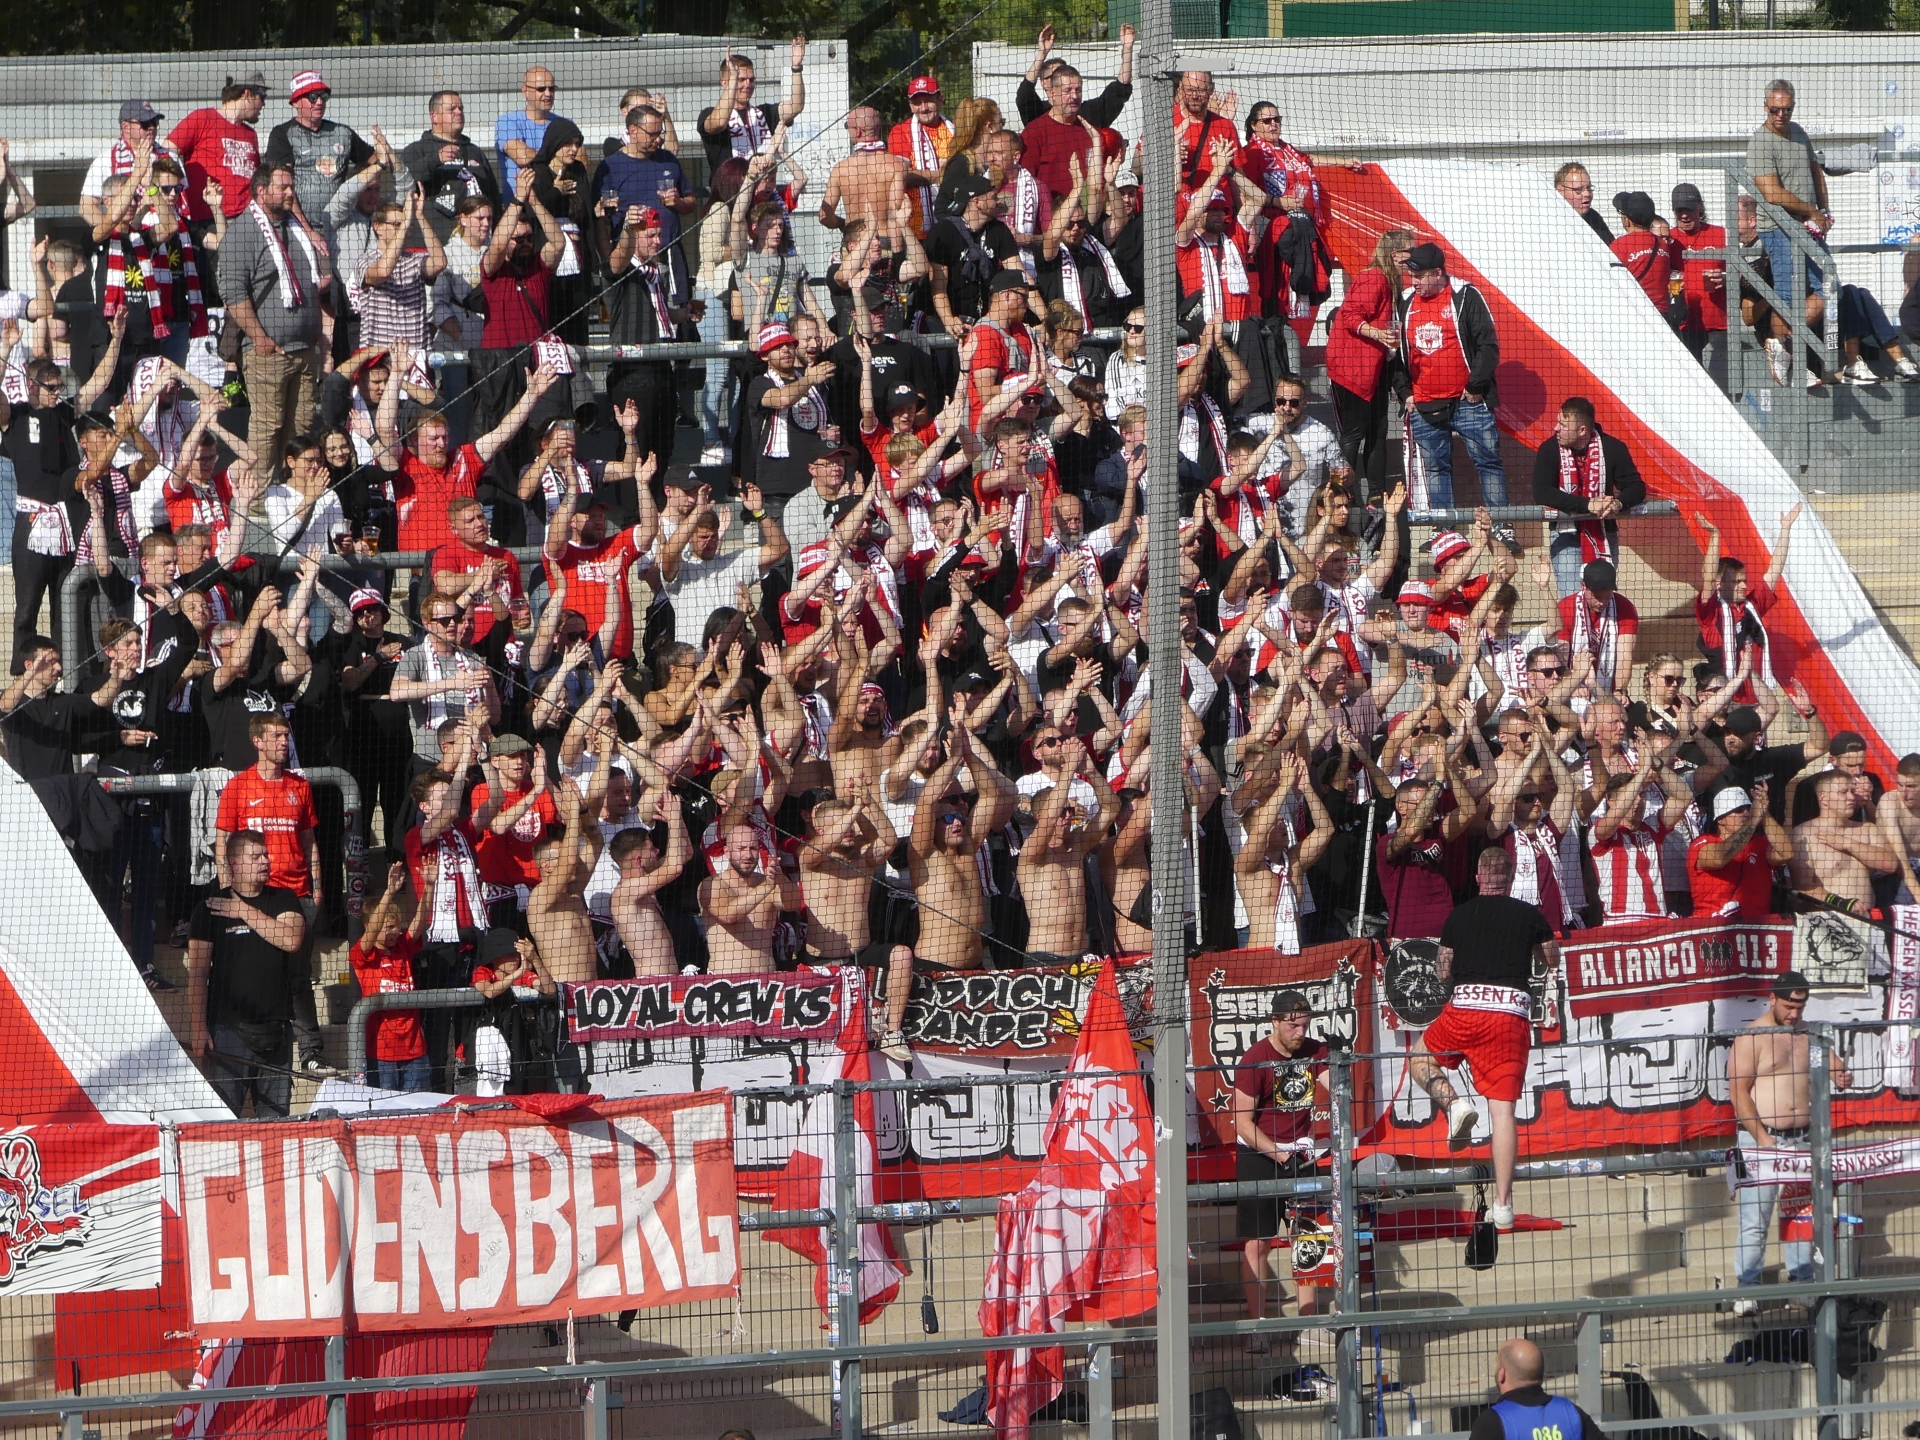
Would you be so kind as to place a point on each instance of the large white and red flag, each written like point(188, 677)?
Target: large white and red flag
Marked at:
point(809, 1180)
point(1077, 1242)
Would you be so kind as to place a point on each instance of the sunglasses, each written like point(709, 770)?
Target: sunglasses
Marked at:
point(1290, 404)
point(1556, 670)
point(1668, 679)
point(541, 89)
point(1266, 119)
point(1779, 109)
point(1136, 329)
point(1527, 797)
point(171, 189)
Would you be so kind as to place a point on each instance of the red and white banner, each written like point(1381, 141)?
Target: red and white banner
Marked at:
point(79, 1209)
point(1078, 1241)
point(810, 1178)
point(458, 1219)
point(1771, 1166)
point(1657, 963)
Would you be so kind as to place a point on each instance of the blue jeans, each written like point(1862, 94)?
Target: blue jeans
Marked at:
point(1779, 252)
point(1564, 550)
point(137, 848)
point(1862, 318)
point(1473, 422)
point(1756, 1217)
point(713, 393)
point(260, 1064)
point(409, 1076)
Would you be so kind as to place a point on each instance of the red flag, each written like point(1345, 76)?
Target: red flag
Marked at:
point(1078, 1241)
point(807, 1183)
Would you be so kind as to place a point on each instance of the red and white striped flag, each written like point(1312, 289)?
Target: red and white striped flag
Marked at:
point(1077, 1243)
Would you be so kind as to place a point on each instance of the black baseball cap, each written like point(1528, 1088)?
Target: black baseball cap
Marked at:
point(1600, 575)
point(1636, 206)
point(1291, 1001)
point(1427, 256)
point(1005, 280)
point(1686, 196)
point(1845, 742)
point(1744, 720)
point(1789, 983)
point(498, 943)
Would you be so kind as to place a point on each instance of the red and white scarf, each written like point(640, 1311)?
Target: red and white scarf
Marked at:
point(153, 272)
point(1597, 636)
point(459, 899)
point(1536, 857)
point(121, 498)
point(291, 295)
point(1223, 272)
point(747, 131)
point(1586, 475)
point(1732, 619)
point(1190, 413)
point(1070, 288)
point(1288, 172)
point(926, 157)
point(443, 667)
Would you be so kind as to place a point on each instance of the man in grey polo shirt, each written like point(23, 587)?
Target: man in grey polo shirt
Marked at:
point(1780, 158)
point(272, 275)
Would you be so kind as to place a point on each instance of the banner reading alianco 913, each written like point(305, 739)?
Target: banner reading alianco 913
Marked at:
point(458, 1219)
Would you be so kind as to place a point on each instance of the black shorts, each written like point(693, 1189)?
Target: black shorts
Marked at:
point(1264, 1217)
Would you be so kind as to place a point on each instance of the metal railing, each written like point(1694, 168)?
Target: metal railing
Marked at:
point(1527, 514)
point(327, 775)
point(592, 1385)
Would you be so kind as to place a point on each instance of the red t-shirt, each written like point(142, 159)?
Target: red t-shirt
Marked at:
point(508, 859)
point(1707, 614)
point(392, 1034)
point(461, 559)
point(1050, 144)
point(1419, 886)
point(422, 492)
point(1649, 260)
point(1743, 886)
point(1213, 270)
point(1434, 353)
point(518, 305)
point(1706, 309)
point(1281, 1086)
point(1196, 138)
point(1626, 618)
point(468, 909)
point(187, 505)
point(214, 147)
point(279, 810)
point(595, 572)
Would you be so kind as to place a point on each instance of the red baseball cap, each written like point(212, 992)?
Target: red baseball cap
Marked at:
point(922, 85)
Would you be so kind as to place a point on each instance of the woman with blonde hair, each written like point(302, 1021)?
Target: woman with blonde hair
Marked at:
point(1127, 366)
point(1361, 338)
point(974, 123)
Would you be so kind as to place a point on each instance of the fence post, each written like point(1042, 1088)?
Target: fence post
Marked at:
point(1100, 1392)
point(1826, 1333)
point(336, 1404)
point(73, 1424)
point(595, 1408)
point(1591, 1358)
point(1348, 1399)
point(846, 1252)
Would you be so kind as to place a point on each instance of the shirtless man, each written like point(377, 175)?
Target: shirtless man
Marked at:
point(741, 904)
point(1767, 1072)
point(870, 181)
point(858, 734)
point(1900, 820)
point(1835, 857)
point(1053, 859)
point(644, 871)
point(847, 843)
point(949, 827)
point(557, 917)
point(1272, 865)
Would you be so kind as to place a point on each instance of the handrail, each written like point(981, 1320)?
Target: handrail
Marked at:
point(350, 800)
point(1466, 514)
point(367, 1006)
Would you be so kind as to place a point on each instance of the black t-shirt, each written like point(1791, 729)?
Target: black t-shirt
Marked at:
point(44, 734)
point(970, 261)
point(1492, 939)
point(1103, 307)
point(895, 362)
point(369, 712)
point(250, 982)
point(719, 147)
point(172, 642)
point(46, 458)
point(782, 475)
point(1775, 764)
point(230, 711)
point(86, 327)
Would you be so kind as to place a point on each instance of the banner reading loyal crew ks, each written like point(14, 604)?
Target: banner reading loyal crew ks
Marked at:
point(458, 1218)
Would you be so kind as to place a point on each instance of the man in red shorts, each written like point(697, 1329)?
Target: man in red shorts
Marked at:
point(1487, 950)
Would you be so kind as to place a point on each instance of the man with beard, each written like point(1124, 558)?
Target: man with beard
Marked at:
point(847, 843)
point(645, 870)
point(742, 902)
point(1053, 858)
point(949, 827)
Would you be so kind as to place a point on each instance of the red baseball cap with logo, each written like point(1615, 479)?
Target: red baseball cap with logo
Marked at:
point(922, 85)
point(308, 82)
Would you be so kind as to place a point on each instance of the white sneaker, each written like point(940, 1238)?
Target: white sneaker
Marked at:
point(1906, 370)
point(1778, 360)
point(1860, 373)
point(1502, 1218)
point(1460, 1122)
point(1817, 378)
point(893, 1045)
point(716, 455)
point(1746, 1307)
